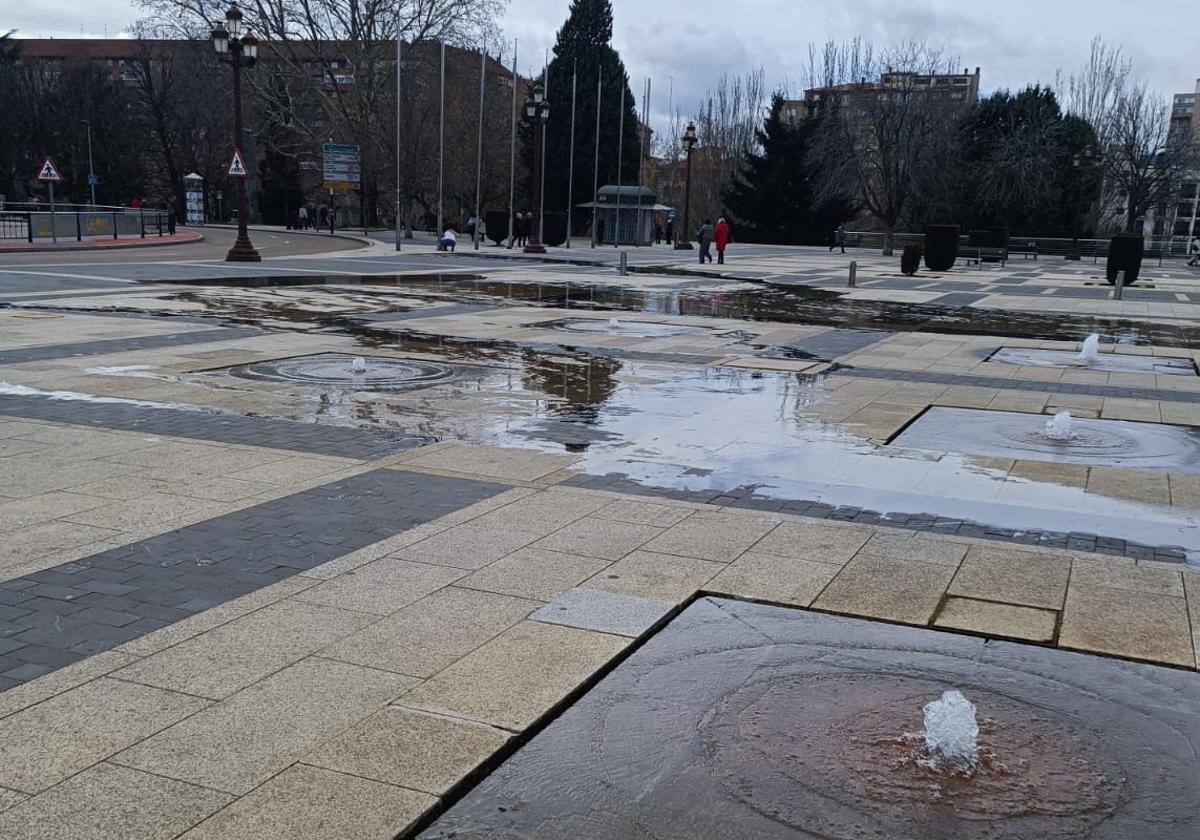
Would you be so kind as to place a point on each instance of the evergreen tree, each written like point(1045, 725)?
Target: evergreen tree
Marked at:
point(774, 198)
point(583, 46)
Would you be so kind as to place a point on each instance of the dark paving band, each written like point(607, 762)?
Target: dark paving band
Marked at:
point(1007, 384)
point(308, 438)
point(53, 618)
point(122, 345)
point(743, 497)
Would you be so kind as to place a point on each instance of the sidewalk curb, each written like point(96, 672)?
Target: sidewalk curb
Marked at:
point(148, 242)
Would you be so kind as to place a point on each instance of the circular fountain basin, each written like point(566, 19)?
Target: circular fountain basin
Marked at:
point(628, 329)
point(334, 370)
point(743, 720)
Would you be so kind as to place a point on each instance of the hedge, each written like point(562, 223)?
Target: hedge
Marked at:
point(941, 247)
point(910, 260)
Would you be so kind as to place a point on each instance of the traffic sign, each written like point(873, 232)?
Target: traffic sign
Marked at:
point(48, 171)
point(92, 179)
point(343, 166)
point(237, 167)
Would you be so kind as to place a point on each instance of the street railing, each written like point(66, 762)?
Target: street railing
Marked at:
point(77, 221)
point(1032, 246)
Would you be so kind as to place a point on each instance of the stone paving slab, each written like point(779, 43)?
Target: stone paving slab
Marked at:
point(61, 615)
point(201, 424)
point(123, 345)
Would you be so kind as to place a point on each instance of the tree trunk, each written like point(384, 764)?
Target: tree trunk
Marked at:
point(889, 240)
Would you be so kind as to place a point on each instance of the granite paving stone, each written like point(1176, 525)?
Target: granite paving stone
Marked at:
point(908, 592)
point(1132, 624)
point(534, 573)
point(1013, 577)
point(604, 612)
point(711, 536)
point(381, 587)
point(600, 538)
point(662, 577)
point(1006, 621)
point(769, 577)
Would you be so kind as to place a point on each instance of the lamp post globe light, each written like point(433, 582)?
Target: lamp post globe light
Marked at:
point(537, 112)
point(238, 49)
point(1082, 162)
point(683, 242)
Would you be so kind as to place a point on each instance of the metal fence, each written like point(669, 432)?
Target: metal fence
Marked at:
point(36, 222)
point(1033, 246)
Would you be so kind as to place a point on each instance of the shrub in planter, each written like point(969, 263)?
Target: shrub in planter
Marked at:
point(941, 247)
point(554, 229)
point(1125, 254)
point(495, 222)
point(910, 260)
point(979, 238)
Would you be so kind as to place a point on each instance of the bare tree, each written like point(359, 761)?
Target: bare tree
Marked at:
point(881, 132)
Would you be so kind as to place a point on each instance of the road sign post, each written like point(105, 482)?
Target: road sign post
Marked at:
point(49, 173)
point(342, 164)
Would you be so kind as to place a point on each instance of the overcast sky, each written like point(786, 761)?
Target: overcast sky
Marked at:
point(693, 42)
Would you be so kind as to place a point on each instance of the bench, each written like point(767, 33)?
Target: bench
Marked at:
point(978, 255)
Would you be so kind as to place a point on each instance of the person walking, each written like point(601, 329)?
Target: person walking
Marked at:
point(658, 232)
point(523, 228)
point(839, 239)
point(721, 237)
point(1194, 251)
point(303, 218)
point(704, 237)
point(670, 230)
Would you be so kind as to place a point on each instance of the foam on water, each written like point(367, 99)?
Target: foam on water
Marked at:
point(951, 733)
point(1091, 349)
point(1059, 427)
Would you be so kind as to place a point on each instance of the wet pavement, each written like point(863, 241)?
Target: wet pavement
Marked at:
point(742, 720)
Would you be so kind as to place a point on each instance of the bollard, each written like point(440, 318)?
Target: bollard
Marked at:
point(1119, 286)
point(624, 263)
point(853, 273)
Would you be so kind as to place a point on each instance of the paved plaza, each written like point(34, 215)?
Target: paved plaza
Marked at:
point(247, 599)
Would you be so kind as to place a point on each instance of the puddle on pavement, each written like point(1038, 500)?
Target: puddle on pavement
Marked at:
point(745, 720)
point(1107, 362)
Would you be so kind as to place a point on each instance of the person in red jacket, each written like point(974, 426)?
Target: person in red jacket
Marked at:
point(721, 236)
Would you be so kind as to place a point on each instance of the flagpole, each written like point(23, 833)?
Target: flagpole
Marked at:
point(512, 151)
point(596, 162)
point(541, 186)
point(571, 168)
point(441, 141)
point(399, 195)
point(479, 151)
point(620, 160)
point(643, 130)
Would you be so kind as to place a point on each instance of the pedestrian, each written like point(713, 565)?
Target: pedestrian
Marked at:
point(658, 233)
point(323, 216)
point(839, 239)
point(600, 232)
point(303, 216)
point(670, 230)
point(1194, 250)
point(448, 240)
point(704, 237)
point(721, 236)
point(170, 206)
point(523, 220)
point(471, 222)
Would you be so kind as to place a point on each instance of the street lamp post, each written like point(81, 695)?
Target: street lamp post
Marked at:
point(242, 51)
point(537, 112)
point(1081, 162)
point(683, 242)
point(91, 165)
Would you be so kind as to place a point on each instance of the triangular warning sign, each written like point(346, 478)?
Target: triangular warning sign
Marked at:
point(237, 166)
point(48, 171)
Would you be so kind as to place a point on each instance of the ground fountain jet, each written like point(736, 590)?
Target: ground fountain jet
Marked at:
point(1090, 350)
point(358, 365)
point(613, 323)
point(951, 734)
point(1060, 427)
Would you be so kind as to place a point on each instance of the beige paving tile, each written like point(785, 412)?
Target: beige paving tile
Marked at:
point(234, 655)
point(870, 586)
point(157, 511)
point(425, 637)
point(1122, 573)
point(381, 587)
point(601, 538)
point(494, 462)
point(905, 546)
point(242, 741)
point(45, 538)
point(1065, 475)
point(178, 632)
point(644, 513)
point(662, 577)
point(56, 682)
point(519, 676)
point(1150, 488)
point(1185, 491)
point(1013, 577)
point(711, 536)
point(1191, 584)
point(288, 470)
point(1006, 621)
point(813, 541)
point(106, 802)
point(768, 577)
point(469, 546)
point(543, 513)
point(1136, 625)
point(534, 573)
point(411, 749)
point(44, 744)
point(33, 509)
point(310, 803)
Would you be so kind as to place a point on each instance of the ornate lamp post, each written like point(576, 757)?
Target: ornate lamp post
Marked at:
point(1082, 162)
point(537, 112)
point(241, 50)
point(683, 242)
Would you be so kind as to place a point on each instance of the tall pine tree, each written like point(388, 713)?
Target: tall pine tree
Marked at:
point(584, 47)
point(773, 199)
